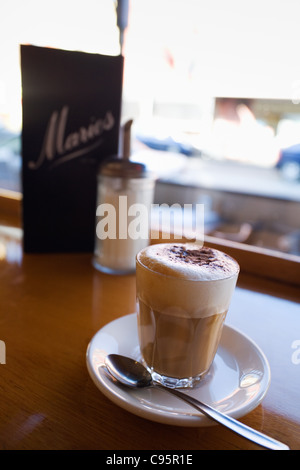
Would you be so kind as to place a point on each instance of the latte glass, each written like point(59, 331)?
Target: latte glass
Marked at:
point(180, 317)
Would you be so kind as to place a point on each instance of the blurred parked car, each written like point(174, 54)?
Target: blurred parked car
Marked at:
point(167, 144)
point(289, 162)
point(10, 159)
point(158, 135)
point(10, 146)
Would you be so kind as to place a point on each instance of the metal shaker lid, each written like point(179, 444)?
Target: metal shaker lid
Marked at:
point(123, 168)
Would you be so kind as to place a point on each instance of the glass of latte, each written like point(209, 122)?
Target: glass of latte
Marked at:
point(183, 293)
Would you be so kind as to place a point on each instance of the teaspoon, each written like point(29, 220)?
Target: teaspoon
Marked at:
point(133, 374)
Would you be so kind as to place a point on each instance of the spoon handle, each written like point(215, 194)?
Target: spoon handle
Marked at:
point(231, 423)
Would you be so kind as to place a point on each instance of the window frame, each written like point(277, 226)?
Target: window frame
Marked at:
point(254, 261)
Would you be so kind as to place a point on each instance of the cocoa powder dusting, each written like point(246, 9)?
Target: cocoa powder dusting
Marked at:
point(200, 257)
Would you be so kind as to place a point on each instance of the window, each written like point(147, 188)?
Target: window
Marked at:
point(87, 26)
point(214, 92)
point(216, 84)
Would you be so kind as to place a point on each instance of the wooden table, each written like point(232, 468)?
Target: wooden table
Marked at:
point(53, 304)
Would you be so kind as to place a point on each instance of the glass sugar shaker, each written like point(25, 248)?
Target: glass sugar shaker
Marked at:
point(124, 199)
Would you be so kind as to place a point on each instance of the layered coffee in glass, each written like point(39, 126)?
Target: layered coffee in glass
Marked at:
point(183, 293)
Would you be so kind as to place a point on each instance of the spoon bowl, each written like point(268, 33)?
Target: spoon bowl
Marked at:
point(133, 374)
point(128, 371)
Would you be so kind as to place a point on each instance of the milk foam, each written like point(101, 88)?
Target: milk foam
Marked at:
point(188, 261)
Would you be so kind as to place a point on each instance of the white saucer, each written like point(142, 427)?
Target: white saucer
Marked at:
point(237, 382)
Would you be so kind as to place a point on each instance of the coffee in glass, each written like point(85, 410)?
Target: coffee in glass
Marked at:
point(183, 292)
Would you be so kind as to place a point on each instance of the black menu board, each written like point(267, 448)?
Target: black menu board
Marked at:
point(71, 119)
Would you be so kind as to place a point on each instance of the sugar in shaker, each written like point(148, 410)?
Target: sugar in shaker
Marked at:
point(125, 194)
